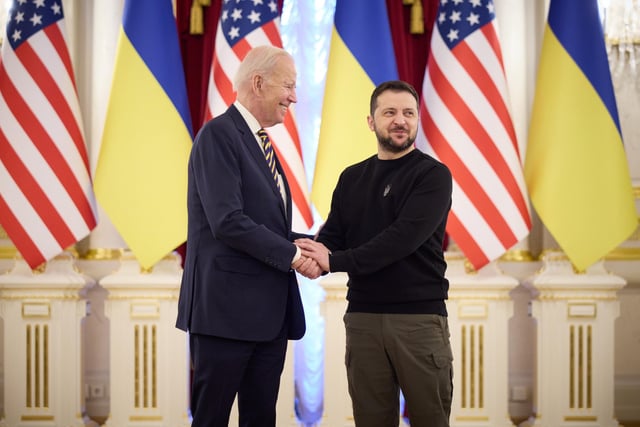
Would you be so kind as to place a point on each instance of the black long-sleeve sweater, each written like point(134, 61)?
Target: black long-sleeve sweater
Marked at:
point(386, 229)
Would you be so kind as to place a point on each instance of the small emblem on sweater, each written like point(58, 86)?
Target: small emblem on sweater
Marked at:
point(386, 190)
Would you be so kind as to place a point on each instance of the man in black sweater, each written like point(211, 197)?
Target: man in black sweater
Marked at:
point(385, 229)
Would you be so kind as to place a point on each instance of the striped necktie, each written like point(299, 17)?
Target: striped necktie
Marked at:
point(269, 155)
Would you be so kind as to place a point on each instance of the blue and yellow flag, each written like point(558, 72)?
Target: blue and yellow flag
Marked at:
point(141, 176)
point(361, 57)
point(575, 168)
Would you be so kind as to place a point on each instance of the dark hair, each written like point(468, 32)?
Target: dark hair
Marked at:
point(393, 85)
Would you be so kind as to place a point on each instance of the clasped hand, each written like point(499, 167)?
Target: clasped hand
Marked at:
point(314, 260)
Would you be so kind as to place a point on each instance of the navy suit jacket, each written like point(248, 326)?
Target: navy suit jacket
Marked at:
point(237, 281)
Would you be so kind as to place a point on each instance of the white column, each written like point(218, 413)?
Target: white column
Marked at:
point(148, 356)
point(42, 315)
point(479, 309)
point(575, 344)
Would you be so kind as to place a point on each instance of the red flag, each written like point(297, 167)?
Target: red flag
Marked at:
point(46, 197)
point(466, 124)
point(242, 26)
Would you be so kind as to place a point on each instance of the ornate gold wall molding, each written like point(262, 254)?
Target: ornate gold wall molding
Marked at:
point(103, 254)
point(518, 255)
point(624, 254)
point(8, 252)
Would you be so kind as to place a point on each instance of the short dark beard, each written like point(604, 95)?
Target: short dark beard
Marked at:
point(387, 144)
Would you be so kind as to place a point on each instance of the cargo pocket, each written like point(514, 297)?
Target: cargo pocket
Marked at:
point(443, 364)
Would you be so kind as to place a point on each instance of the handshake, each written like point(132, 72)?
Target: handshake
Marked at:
point(314, 260)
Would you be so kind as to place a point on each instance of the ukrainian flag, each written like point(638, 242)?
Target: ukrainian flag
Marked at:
point(141, 176)
point(575, 167)
point(361, 57)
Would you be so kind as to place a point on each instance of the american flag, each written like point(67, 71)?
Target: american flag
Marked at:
point(46, 197)
point(243, 25)
point(466, 124)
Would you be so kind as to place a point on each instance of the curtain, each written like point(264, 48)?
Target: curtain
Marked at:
point(412, 50)
point(197, 49)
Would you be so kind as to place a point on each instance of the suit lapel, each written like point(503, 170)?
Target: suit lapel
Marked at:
point(249, 140)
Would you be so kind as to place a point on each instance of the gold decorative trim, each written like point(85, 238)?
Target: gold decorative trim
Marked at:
point(553, 254)
point(335, 296)
point(472, 418)
point(29, 347)
point(514, 255)
point(620, 253)
point(37, 367)
point(451, 256)
point(635, 236)
point(581, 418)
point(145, 311)
point(615, 41)
point(636, 192)
point(468, 267)
point(37, 418)
point(481, 366)
point(103, 254)
point(463, 359)
point(472, 365)
point(559, 294)
point(623, 254)
point(3, 233)
point(145, 366)
point(580, 367)
point(45, 365)
point(518, 255)
point(146, 296)
point(582, 310)
point(473, 310)
point(171, 256)
point(41, 310)
point(557, 255)
point(8, 252)
point(123, 254)
point(145, 418)
point(60, 294)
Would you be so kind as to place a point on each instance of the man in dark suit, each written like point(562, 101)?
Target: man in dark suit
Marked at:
point(239, 298)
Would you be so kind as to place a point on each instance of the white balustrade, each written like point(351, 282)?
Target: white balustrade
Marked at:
point(575, 314)
point(148, 355)
point(42, 314)
point(479, 309)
